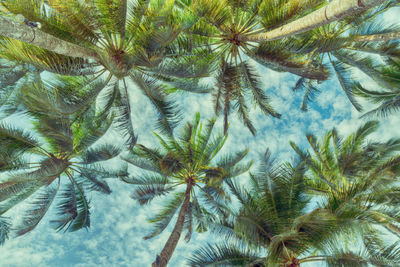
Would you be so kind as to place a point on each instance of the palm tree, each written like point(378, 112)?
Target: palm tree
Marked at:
point(109, 36)
point(279, 223)
point(126, 40)
point(353, 169)
point(354, 43)
point(333, 11)
point(186, 170)
point(235, 32)
point(57, 153)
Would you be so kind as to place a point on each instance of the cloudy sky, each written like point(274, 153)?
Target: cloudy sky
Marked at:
point(118, 223)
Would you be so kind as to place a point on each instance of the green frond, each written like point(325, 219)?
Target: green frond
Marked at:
point(202, 216)
point(146, 192)
point(238, 169)
point(112, 15)
point(10, 77)
point(310, 91)
point(142, 163)
point(107, 98)
point(135, 12)
point(365, 64)
point(214, 12)
point(79, 18)
point(100, 153)
point(346, 83)
point(5, 227)
point(93, 180)
point(148, 180)
point(39, 206)
point(16, 140)
point(167, 109)
point(243, 113)
point(73, 209)
point(164, 217)
point(252, 81)
point(56, 131)
point(63, 95)
point(385, 109)
point(89, 129)
point(230, 161)
point(13, 192)
point(152, 154)
point(123, 117)
point(224, 254)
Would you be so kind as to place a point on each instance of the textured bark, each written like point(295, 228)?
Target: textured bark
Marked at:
point(335, 10)
point(169, 247)
point(378, 37)
point(24, 33)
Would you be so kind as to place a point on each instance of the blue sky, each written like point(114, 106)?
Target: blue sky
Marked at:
point(115, 237)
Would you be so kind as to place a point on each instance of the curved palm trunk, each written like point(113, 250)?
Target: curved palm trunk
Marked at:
point(333, 11)
point(378, 37)
point(24, 33)
point(169, 247)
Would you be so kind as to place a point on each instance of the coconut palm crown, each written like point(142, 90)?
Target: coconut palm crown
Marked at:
point(280, 223)
point(56, 156)
point(186, 171)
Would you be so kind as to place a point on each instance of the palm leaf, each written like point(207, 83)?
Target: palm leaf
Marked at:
point(346, 83)
point(40, 206)
point(92, 180)
point(73, 209)
point(5, 227)
point(16, 140)
point(167, 110)
point(163, 218)
point(100, 153)
point(142, 163)
point(222, 255)
point(123, 118)
point(145, 193)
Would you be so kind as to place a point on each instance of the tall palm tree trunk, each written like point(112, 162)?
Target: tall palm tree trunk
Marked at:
point(24, 33)
point(169, 247)
point(335, 10)
point(378, 37)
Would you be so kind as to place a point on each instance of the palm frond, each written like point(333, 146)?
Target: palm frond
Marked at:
point(40, 206)
point(16, 139)
point(92, 180)
point(167, 110)
point(142, 163)
point(252, 81)
point(346, 83)
point(73, 209)
point(222, 255)
point(13, 193)
point(112, 15)
point(144, 193)
point(100, 153)
point(5, 227)
point(164, 217)
point(123, 118)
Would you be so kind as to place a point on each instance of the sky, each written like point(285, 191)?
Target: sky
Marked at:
point(118, 223)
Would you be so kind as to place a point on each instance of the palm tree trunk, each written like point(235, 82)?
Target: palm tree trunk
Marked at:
point(24, 33)
point(378, 37)
point(335, 10)
point(169, 247)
